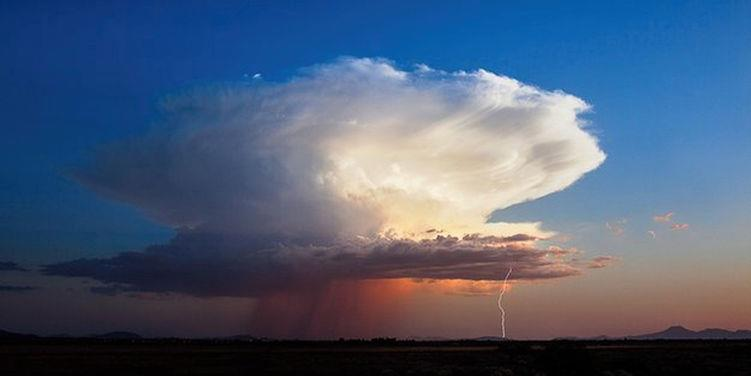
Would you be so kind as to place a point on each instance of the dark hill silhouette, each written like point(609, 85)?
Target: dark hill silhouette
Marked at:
point(15, 336)
point(676, 332)
point(116, 335)
point(427, 339)
point(241, 337)
point(489, 338)
point(679, 332)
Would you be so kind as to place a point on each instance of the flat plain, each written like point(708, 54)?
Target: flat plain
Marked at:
point(375, 357)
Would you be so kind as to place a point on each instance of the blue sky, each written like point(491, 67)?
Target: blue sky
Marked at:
point(669, 83)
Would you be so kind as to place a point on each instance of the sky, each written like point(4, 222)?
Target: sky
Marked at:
point(298, 170)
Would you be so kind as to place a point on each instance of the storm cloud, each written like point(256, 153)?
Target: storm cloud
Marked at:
point(11, 266)
point(13, 288)
point(347, 171)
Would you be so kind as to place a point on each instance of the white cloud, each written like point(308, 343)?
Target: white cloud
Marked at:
point(679, 226)
point(357, 147)
point(600, 262)
point(667, 217)
point(617, 227)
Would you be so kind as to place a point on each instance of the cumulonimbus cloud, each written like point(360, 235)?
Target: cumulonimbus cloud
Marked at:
point(348, 170)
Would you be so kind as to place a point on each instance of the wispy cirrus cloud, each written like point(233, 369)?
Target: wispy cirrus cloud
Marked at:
point(617, 227)
point(679, 226)
point(600, 262)
point(667, 217)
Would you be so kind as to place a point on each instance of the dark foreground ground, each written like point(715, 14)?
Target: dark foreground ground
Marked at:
point(178, 357)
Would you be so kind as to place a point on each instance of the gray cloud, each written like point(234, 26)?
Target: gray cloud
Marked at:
point(192, 264)
point(11, 288)
point(11, 266)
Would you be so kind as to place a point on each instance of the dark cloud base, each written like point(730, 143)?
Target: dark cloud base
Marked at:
point(213, 265)
point(11, 288)
point(11, 266)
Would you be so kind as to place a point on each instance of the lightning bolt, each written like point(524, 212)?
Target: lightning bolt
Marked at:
point(500, 304)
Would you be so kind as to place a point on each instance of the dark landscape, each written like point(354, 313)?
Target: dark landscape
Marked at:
point(123, 353)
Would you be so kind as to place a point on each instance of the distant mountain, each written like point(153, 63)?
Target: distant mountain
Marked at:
point(60, 335)
point(676, 332)
point(6, 335)
point(426, 339)
point(241, 337)
point(679, 332)
point(489, 338)
point(10, 335)
point(116, 335)
point(601, 338)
